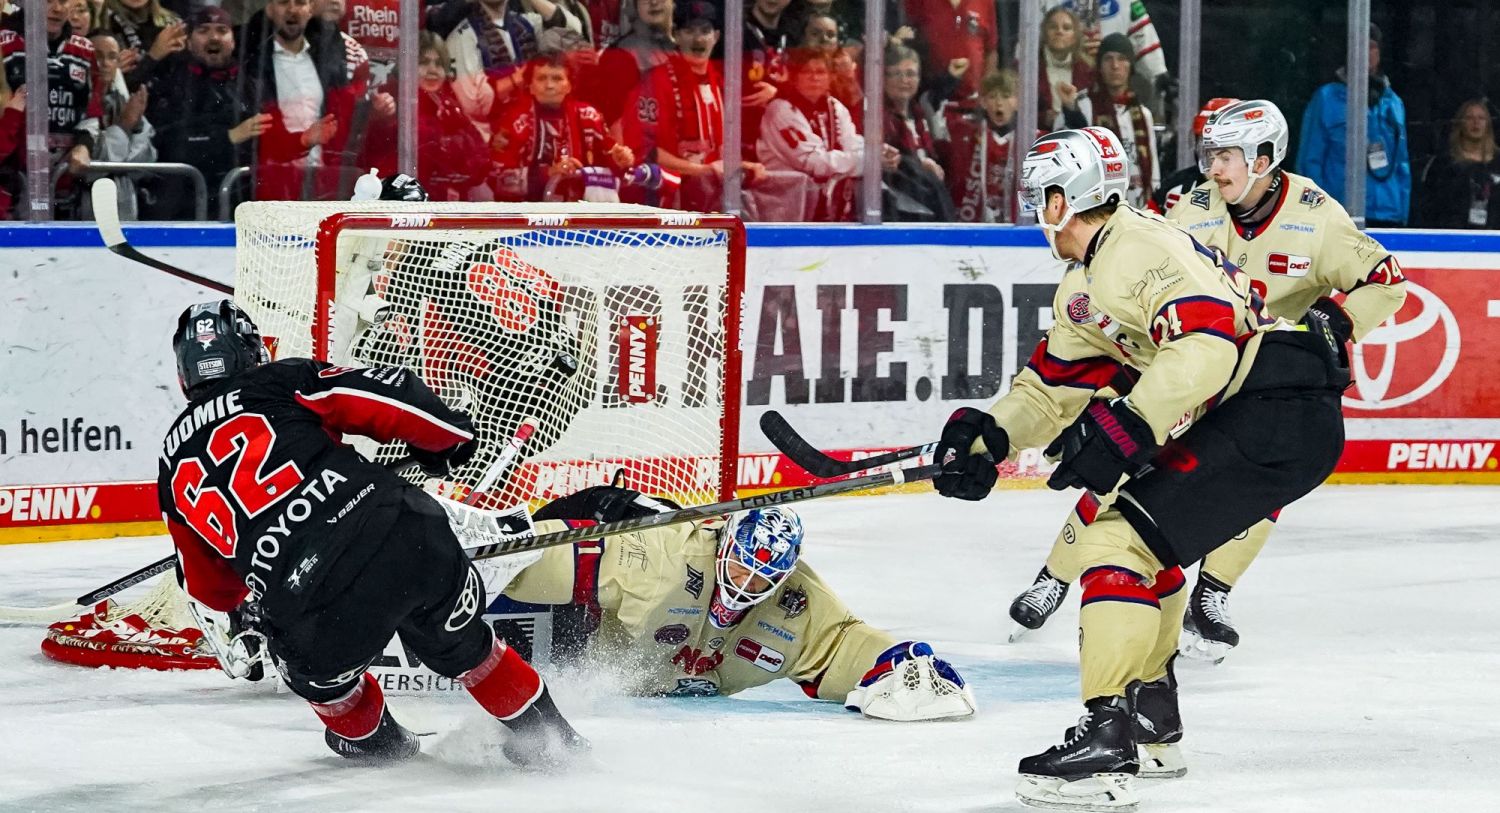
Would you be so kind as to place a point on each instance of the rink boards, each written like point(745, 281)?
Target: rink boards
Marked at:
point(866, 338)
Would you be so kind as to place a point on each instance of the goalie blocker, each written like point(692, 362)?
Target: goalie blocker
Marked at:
point(720, 605)
point(339, 554)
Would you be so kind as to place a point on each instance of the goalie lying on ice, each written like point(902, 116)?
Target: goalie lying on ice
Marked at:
point(723, 605)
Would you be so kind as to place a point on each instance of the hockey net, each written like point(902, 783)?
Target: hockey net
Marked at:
point(615, 328)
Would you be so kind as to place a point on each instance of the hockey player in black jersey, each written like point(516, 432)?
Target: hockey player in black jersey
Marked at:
point(265, 503)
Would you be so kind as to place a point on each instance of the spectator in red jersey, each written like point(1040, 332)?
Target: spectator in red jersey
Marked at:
point(913, 177)
point(625, 62)
point(298, 70)
point(1066, 72)
point(491, 47)
point(821, 33)
point(677, 118)
point(148, 32)
point(949, 30)
point(769, 35)
point(454, 162)
point(978, 151)
point(12, 134)
point(806, 130)
point(551, 147)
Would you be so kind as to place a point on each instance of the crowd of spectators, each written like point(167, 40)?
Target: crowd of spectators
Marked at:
point(557, 100)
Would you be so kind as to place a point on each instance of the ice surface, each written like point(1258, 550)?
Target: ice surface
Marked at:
point(1370, 647)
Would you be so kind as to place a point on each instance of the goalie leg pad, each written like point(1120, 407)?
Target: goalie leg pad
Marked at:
point(908, 683)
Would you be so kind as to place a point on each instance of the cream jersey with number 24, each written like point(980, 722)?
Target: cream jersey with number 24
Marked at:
point(1144, 297)
point(1308, 248)
point(653, 590)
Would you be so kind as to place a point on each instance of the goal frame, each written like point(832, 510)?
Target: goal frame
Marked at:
point(408, 220)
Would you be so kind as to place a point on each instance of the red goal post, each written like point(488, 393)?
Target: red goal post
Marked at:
point(617, 326)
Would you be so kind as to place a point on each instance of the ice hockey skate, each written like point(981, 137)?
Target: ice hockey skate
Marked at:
point(1207, 632)
point(539, 739)
point(390, 742)
point(1093, 770)
point(1158, 727)
point(1037, 603)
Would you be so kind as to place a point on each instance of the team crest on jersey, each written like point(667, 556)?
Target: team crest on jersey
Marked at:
point(694, 687)
point(1199, 198)
point(1312, 198)
point(1288, 265)
point(330, 372)
point(793, 601)
point(694, 583)
point(672, 634)
point(1078, 308)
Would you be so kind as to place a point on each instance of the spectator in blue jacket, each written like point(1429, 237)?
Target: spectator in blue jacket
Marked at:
point(1387, 164)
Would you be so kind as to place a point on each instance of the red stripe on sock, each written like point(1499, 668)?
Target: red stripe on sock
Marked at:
point(1168, 582)
point(357, 714)
point(504, 683)
point(1116, 584)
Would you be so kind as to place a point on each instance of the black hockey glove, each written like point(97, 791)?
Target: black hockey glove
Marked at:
point(442, 463)
point(603, 504)
point(1337, 318)
point(969, 476)
point(1107, 440)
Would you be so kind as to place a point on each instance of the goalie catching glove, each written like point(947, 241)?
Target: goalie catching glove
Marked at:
point(908, 683)
point(1107, 441)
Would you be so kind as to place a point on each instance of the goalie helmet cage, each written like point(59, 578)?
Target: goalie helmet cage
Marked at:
point(616, 327)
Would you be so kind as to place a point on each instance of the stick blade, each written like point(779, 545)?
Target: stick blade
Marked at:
point(107, 212)
point(788, 442)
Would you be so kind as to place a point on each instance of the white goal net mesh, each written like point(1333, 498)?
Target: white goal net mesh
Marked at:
point(612, 338)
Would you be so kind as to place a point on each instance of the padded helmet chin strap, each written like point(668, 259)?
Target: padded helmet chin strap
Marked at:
point(1251, 178)
point(1052, 231)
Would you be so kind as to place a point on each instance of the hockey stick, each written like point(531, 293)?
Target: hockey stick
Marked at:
point(68, 609)
point(815, 462)
point(523, 543)
point(507, 456)
point(107, 219)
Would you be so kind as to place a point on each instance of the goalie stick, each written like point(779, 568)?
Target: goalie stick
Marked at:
point(69, 609)
point(107, 220)
point(815, 461)
point(522, 543)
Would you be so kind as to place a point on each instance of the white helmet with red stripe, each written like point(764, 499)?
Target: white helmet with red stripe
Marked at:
point(1088, 166)
point(1255, 126)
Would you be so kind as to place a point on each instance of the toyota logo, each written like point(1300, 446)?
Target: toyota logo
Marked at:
point(1374, 390)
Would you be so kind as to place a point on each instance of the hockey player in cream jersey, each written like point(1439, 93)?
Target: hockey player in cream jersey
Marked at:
point(1299, 247)
point(719, 606)
point(1234, 414)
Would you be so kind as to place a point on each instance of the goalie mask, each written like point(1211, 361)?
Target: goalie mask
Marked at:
point(757, 552)
point(215, 341)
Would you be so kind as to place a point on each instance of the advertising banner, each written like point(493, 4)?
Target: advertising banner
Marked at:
point(865, 339)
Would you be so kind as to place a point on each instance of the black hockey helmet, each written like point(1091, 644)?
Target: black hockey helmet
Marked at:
point(214, 341)
point(400, 187)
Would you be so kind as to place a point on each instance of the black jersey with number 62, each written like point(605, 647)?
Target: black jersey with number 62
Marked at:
point(261, 494)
